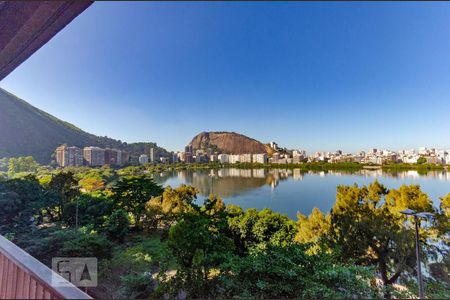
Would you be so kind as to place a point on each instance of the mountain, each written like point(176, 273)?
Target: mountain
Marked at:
point(28, 131)
point(228, 143)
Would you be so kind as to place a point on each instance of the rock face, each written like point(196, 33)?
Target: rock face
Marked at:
point(228, 143)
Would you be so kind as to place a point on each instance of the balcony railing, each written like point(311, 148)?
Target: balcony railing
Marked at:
point(24, 277)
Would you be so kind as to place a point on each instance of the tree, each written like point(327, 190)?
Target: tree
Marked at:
point(22, 203)
point(421, 160)
point(445, 205)
point(83, 243)
point(370, 231)
point(65, 187)
point(408, 196)
point(164, 210)
point(365, 227)
point(289, 272)
point(92, 184)
point(443, 220)
point(198, 243)
point(442, 226)
point(18, 165)
point(254, 228)
point(93, 209)
point(311, 228)
point(117, 225)
point(132, 192)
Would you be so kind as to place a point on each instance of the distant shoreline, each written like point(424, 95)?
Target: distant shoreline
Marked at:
point(423, 168)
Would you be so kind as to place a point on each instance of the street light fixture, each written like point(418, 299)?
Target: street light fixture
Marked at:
point(417, 215)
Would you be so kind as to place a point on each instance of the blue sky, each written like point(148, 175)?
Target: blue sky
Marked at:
point(316, 76)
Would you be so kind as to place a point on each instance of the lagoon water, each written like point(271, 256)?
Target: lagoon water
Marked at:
point(289, 191)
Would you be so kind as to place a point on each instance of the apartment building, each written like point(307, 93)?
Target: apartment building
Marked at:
point(223, 158)
point(260, 158)
point(94, 156)
point(69, 156)
point(143, 159)
point(113, 156)
point(245, 158)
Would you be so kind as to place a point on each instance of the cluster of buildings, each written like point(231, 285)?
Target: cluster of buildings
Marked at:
point(72, 156)
point(285, 156)
point(153, 158)
point(205, 156)
point(200, 157)
point(379, 157)
point(95, 156)
point(145, 159)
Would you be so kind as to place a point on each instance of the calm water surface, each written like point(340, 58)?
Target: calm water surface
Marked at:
point(289, 191)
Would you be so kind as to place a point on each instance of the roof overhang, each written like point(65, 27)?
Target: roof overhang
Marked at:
point(25, 26)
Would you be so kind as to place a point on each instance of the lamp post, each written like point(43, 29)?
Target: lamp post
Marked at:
point(417, 215)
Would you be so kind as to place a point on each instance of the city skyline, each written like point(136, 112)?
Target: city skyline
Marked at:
point(347, 76)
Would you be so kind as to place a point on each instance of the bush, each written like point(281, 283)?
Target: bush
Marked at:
point(44, 244)
point(289, 272)
point(138, 286)
point(86, 244)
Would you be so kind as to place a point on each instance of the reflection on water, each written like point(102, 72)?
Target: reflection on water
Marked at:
point(289, 190)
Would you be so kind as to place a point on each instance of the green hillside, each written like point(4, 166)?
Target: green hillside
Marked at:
point(26, 130)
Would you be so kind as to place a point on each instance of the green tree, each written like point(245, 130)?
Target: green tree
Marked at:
point(93, 209)
point(421, 160)
point(18, 165)
point(289, 272)
point(443, 220)
point(22, 203)
point(49, 242)
point(408, 196)
point(199, 243)
point(371, 231)
point(91, 184)
point(117, 225)
point(254, 228)
point(365, 227)
point(132, 192)
point(311, 228)
point(83, 243)
point(442, 234)
point(162, 211)
point(64, 186)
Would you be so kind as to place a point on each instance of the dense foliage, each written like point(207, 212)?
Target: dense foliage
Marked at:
point(156, 242)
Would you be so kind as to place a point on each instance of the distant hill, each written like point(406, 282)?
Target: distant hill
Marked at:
point(228, 143)
point(26, 130)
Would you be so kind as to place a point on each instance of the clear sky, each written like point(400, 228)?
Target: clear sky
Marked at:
point(315, 76)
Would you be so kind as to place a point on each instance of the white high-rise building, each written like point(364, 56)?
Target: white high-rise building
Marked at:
point(119, 157)
point(260, 158)
point(233, 158)
point(223, 158)
point(143, 159)
point(245, 158)
point(152, 157)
